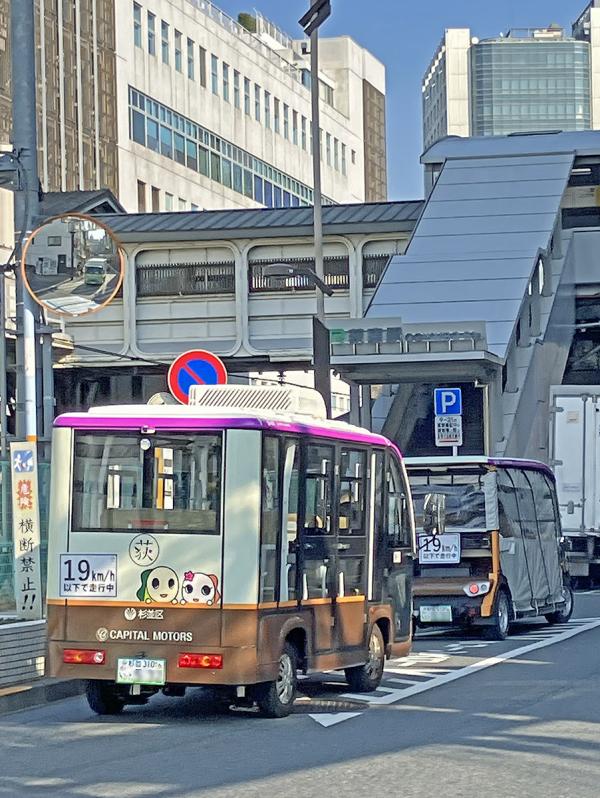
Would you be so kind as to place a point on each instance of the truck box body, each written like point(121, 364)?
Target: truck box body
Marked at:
point(575, 458)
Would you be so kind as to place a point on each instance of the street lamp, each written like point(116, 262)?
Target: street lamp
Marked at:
point(320, 333)
point(318, 12)
point(300, 270)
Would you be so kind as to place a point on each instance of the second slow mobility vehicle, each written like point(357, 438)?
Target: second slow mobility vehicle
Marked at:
point(500, 556)
point(94, 271)
point(232, 542)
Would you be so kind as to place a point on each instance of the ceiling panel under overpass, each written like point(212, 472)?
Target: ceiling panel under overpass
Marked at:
point(475, 247)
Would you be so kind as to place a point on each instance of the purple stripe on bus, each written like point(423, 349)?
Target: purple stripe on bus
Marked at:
point(85, 421)
point(509, 462)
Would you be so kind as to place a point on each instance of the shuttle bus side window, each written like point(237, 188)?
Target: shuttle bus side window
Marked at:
point(555, 510)
point(352, 546)
point(507, 506)
point(525, 504)
point(317, 538)
point(289, 532)
point(398, 518)
point(270, 518)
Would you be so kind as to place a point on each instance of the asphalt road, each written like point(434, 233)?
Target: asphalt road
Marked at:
point(458, 718)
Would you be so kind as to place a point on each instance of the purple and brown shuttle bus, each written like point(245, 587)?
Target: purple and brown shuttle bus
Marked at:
point(233, 542)
point(500, 557)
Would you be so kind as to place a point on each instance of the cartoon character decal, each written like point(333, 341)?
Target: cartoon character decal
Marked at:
point(200, 588)
point(159, 584)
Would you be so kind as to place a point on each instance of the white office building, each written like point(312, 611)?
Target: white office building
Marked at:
point(527, 80)
point(216, 114)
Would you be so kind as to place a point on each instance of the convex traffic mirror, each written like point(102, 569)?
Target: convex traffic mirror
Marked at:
point(72, 265)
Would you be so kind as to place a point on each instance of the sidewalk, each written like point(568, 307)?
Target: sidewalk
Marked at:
point(38, 693)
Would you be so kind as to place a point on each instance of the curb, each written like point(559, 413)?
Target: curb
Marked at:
point(46, 691)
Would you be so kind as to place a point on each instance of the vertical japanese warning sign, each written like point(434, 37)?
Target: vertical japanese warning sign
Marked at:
point(26, 531)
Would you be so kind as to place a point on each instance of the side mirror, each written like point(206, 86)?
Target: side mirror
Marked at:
point(434, 514)
point(570, 508)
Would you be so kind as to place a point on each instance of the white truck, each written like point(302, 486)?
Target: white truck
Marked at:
point(575, 459)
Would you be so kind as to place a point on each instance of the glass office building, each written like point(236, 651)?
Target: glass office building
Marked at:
point(529, 85)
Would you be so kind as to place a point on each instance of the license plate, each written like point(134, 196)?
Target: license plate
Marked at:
point(442, 613)
point(141, 671)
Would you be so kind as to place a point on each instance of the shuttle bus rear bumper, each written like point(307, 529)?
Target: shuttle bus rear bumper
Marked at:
point(240, 665)
point(464, 610)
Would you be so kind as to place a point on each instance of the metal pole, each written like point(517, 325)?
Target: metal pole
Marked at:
point(316, 157)
point(24, 122)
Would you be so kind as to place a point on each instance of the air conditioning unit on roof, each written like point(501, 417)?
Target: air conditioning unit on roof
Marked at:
point(281, 400)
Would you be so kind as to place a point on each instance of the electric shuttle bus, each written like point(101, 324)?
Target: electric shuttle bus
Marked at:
point(232, 542)
point(501, 555)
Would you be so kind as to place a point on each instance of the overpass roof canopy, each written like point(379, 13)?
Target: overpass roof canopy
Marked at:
point(580, 143)
point(264, 222)
point(490, 216)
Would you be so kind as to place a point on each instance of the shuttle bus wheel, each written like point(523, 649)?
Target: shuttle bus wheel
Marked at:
point(366, 678)
point(562, 615)
point(276, 699)
point(104, 698)
point(501, 619)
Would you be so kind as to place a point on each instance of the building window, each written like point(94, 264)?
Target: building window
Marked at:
point(168, 201)
point(294, 127)
point(353, 156)
point(137, 25)
point(344, 170)
point(267, 109)
point(202, 66)
point(286, 121)
point(141, 193)
point(247, 96)
point(151, 34)
point(214, 74)
point(336, 155)
point(226, 82)
point(190, 59)
point(178, 55)
point(236, 88)
point(164, 41)
point(155, 199)
point(303, 132)
point(54, 241)
point(173, 136)
point(276, 127)
point(257, 102)
point(181, 204)
point(328, 147)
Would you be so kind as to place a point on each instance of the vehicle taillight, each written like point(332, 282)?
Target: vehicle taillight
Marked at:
point(476, 588)
point(84, 656)
point(209, 661)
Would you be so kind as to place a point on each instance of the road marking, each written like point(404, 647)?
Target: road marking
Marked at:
point(391, 695)
point(328, 719)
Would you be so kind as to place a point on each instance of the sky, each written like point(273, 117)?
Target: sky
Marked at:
point(404, 35)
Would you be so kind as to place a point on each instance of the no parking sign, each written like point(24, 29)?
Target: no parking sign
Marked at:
point(196, 367)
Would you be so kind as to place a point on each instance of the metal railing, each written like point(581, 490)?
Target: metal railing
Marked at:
point(373, 266)
point(185, 279)
point(337, 275)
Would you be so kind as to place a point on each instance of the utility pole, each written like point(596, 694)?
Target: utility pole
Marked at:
point(314, 17)
point(24, 121)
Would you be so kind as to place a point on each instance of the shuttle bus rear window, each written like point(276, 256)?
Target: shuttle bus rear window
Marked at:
point(167, 483)
point(465, 501)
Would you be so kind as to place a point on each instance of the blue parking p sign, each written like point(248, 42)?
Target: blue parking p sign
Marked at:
point(448, 401)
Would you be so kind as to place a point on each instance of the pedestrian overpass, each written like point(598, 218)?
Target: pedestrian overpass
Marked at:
point(478, 286)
